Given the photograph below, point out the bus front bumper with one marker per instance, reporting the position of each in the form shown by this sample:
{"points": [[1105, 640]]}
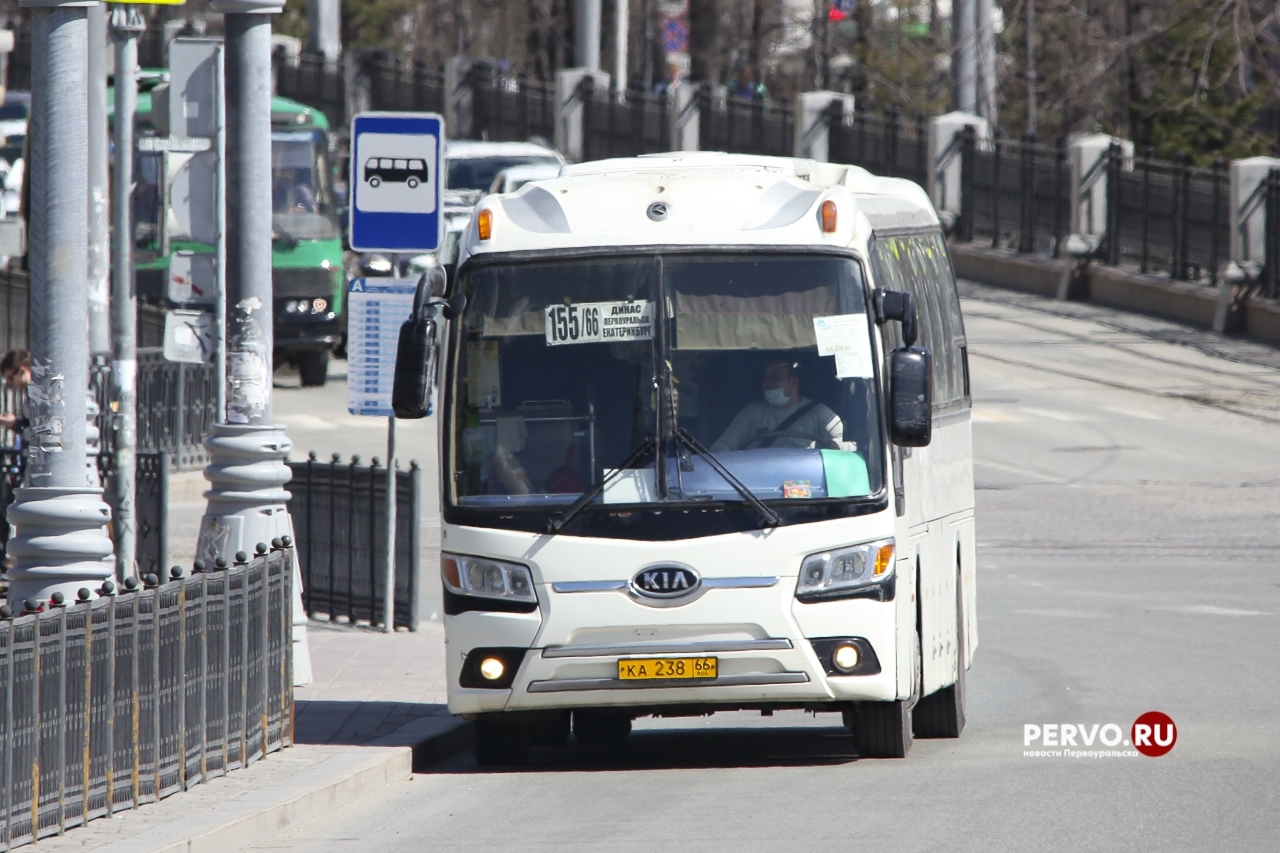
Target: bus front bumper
{"points": [[771, 655]]}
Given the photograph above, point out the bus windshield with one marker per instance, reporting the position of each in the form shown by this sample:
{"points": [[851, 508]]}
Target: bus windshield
{"points": [[301, 195], [568, 370]]}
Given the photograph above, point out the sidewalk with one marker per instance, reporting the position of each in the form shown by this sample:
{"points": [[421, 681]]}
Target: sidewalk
{"points": [[377, 703]]}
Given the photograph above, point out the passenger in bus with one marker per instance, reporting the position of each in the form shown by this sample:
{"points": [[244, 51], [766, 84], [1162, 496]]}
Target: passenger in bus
{"points": [[783, 418]]}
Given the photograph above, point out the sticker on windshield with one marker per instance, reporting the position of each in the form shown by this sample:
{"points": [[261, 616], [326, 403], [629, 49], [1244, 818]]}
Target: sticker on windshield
{"points": [[845, 337], [594, 322]]}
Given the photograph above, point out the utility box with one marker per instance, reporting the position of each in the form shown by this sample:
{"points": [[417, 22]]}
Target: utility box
{"points": [[1248, 198], [1088, 158], [812, 128], [944, 157], [192, 195], [193, 278], [193, 84]]}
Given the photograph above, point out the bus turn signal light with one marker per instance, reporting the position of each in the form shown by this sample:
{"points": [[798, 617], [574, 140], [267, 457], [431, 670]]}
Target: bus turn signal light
{"points": [[828, 217], [484, 224], [884, 558]]}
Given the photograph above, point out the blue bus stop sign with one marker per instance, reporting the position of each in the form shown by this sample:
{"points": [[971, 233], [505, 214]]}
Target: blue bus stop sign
{"points": [[396, 182]]}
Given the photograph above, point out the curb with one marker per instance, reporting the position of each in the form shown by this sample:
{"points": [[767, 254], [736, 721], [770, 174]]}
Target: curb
{"points": [[1155, 296], [334, 782]]}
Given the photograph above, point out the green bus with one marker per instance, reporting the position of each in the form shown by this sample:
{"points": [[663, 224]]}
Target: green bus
{"points": [[307, 252]]}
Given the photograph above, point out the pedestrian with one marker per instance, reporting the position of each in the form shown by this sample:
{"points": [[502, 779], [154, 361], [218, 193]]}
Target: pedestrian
{"points": [[15, 370]]}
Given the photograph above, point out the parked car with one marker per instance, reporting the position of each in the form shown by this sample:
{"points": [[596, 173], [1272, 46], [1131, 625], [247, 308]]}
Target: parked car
{"points": [[510, 180]]}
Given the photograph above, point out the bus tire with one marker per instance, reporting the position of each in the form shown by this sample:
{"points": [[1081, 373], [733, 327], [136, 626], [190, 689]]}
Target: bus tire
{"points": [[375, 181], [600, 728], [500, 743], [881, 729], [413, 183], [941, 714], [313, 368]]}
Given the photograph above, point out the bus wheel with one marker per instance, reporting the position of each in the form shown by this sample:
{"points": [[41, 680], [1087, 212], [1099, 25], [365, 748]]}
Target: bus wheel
{"points": [[500, 743], [375, 181], [412, 182], [881, 729], [313, 368], [598, 728], [941, 714]]}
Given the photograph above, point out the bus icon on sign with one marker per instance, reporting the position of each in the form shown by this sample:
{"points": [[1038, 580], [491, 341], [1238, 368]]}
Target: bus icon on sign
{"points": [[394, 171]]}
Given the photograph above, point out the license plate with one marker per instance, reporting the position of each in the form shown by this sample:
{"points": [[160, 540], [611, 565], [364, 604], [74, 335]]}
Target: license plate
{"points": [[651, 669]]}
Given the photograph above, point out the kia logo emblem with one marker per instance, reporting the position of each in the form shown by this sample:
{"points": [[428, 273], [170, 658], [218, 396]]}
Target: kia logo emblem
{"points": [[665, 582]]}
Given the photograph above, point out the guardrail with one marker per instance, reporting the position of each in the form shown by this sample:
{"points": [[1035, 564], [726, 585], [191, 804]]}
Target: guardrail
{"points": [[339, 516], [111, 702]]}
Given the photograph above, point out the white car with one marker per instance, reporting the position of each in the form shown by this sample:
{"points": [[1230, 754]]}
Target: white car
{"points": [[472, 166], [510, 180]]}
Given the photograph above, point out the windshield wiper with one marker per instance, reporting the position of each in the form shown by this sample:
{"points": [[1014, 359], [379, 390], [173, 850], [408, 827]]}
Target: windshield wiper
{"points": [[771, 518], [558, 522], [285, 237]]}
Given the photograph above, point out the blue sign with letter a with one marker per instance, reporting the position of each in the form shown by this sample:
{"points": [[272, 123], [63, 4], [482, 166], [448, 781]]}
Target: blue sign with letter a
{"points": [[396, 183]]}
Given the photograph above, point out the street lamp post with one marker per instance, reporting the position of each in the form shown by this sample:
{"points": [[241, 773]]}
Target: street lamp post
{"points": [[127, 24], [60, 520], [246, 471]]}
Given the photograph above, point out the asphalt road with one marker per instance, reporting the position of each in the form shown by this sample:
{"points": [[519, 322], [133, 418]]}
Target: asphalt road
{"points": [[1128, 492]]}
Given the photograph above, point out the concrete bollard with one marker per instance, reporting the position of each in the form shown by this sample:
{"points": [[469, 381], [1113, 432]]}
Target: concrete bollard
{"points": [[569, 114], [812, 130], [944, 159], [1088, 158]]}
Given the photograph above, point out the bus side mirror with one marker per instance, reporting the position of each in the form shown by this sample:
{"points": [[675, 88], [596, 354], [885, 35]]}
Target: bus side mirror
{"points": [[416, 352], [910, 397], [896, 305], [415, 369]]}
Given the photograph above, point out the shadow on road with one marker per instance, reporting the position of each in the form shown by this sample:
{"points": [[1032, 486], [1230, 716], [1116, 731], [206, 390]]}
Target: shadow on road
{"points": [[659, 749], [319, 721]]}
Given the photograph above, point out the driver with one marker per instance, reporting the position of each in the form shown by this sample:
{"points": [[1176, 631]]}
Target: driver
{"points": [[806, 423]]}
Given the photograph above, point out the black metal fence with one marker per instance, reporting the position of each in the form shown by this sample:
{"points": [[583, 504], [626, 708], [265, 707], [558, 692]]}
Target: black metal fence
{"points": [[397, 84], [110, 703], [639, 124], [746, 127], [310, 80], [151, 502], [1166, 215], [508, 108], [884, 144], [177, 407], [1015, 193], [339, 516]]}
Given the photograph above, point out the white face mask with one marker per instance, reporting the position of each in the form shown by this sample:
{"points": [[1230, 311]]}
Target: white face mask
{"points": [[776, 397]]}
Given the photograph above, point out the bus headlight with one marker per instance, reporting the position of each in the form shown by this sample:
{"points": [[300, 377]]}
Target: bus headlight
{"points": [[485, 578], [845, 571]]}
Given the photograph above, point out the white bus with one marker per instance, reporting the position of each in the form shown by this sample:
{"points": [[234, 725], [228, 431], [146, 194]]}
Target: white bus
{"points": [[694, 458]]}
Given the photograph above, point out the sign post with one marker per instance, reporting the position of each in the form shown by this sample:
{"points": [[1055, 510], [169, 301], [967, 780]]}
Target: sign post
{"points": [[396, 187], [376, 309]]}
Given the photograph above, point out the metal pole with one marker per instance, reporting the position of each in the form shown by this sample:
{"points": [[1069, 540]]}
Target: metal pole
{"points": [[99, 235], [220, 306], [127, 23], [61, 541], [586, 49], [1031, 67], [389, 600], [985, 43], [963, 62], [621, 20], [246, 471]]}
